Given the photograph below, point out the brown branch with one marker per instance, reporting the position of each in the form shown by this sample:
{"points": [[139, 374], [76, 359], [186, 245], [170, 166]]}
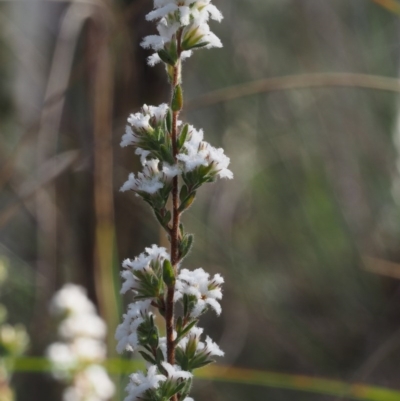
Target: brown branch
{"points": [[290, 82]]}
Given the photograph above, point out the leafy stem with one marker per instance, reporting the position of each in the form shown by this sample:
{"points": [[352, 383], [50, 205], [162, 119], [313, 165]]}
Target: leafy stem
{"points": [[176, 106]]}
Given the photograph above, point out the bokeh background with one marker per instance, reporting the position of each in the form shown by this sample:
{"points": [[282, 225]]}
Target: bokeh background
{"points": [[304, 98]]}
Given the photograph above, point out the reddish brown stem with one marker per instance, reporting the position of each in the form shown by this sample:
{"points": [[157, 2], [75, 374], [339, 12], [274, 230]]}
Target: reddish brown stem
{"points": [[169, 316]]}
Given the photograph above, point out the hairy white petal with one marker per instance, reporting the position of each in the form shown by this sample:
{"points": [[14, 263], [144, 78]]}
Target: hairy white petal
{"points": [[153, 59], [161, 12]]}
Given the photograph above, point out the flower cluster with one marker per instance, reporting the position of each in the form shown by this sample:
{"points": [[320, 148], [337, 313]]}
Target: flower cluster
{"points": [[157, 383], [176, 163], [196, 161], [14, 341], [182, 25], [127, 332], [198, 291], [76, 359], [143, 275], [146, 278], [198, 153]]}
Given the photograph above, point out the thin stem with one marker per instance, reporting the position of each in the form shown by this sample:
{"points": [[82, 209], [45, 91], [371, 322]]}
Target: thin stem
{"points": [[169, 317]]}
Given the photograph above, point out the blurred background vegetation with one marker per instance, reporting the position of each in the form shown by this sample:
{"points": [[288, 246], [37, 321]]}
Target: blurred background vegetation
{"points": [[307, 236]]}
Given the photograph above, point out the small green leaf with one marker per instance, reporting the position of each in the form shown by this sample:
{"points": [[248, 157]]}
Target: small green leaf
{"points": [[153, 338], [185, 305], [177, 99], [170, 72], [159, 356], [173, 50], [179, 324], [182, 333], [183, 136], [166, 155], [147, 357], [183, 193], [187, 202], [200, 364], [190, 43], [199, 45], [166, 57], [168, 120], [168, 273], [179, 387], [185, 245], [167, 217]]}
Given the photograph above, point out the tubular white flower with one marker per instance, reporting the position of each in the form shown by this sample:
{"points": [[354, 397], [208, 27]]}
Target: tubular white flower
{"points": [[126, 333], [153, 59], [192, 337], [209, 348], [175, 373], [62, 358], [171, 171], [71, 300], [89, 350], [144, 262], [197, 284], [150, 181], [92, 384], [82, 325], [212, 348], [196, 34], [143, 123], [77, 358], [139, 383], [162, 12], [198, 153], [191, 16]]}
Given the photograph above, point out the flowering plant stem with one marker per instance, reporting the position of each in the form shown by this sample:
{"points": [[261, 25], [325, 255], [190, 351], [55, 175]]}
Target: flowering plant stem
{"points": [[176, 163], [175, 226], [170, 306]]}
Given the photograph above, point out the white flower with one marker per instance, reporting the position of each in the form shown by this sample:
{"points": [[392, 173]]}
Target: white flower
{"points": [[139, 383], [220, 162], [76, 359], [210, 348], [126, 333], [89, 350], [145, 261], [157, 252], [61, 357], [198, 285], [191, 16], [200, 33], [71, 299], [171, 171], [162, 12], [143, 122], [175, 373], [92, 384], [188, 10], [83, 325], [151, 180], [198, 153], [153, 59]]}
